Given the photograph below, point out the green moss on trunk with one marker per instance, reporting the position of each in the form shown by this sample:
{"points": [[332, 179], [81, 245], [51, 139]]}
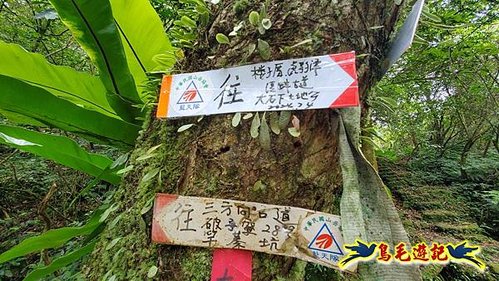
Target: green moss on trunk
{"points": [[213, 159]]}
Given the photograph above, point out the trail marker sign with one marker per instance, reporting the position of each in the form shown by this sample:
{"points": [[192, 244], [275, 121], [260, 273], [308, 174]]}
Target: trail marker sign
{"points": [[220, 223], [328, 81]]}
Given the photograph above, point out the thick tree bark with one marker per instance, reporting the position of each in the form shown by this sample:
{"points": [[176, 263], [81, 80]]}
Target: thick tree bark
{"points": [[213, 159]]}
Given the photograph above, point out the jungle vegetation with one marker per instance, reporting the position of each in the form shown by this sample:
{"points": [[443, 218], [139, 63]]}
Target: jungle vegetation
{"points": [[82, 155]]}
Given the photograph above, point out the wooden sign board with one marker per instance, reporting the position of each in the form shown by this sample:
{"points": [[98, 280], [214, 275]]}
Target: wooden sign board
{"points": [[328, 81], [218, 223]]}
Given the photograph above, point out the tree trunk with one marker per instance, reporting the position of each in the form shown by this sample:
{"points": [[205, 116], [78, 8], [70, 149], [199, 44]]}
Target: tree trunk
{"points": [[213, 159]]}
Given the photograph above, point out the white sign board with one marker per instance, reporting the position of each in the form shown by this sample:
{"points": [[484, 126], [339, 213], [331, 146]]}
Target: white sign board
{"points": [[405, 36], [296, 84], [219, 223]]}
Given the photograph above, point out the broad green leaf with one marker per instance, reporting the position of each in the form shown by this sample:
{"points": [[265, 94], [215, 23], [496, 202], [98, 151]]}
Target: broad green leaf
{"points": [[267, 24], [255, 125], [93, 26], [20, 118], [264, 49], [164, 61], [222, 38], [284, 117], [39, 104], [16, 142], [264, 134], [294, 132], [236, 119], [274, 123], [58, 149], [50, 239], [60, 262], [254, 18], [80, 88], [143, 38], [188, 22], [152, 271]]}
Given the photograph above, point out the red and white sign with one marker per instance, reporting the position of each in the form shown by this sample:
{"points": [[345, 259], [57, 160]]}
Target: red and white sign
{"points": [[238, 225], [328, 81]]}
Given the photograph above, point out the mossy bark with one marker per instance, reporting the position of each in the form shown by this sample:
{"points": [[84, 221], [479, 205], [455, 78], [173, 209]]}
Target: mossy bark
{"points": [[213, 159]]}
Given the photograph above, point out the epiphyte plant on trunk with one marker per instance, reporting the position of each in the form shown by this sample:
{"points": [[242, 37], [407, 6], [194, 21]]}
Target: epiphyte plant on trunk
{"points": [[125, 40]]}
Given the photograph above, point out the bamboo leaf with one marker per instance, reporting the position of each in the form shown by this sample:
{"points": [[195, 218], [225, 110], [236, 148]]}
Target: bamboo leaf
{"points": [[59, 149], [40, 272], [80, 88], [93, 26], [38, 104]]}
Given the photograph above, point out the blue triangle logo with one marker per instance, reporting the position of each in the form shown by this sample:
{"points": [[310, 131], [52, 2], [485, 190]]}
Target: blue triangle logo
{"points": [[325, 241]]}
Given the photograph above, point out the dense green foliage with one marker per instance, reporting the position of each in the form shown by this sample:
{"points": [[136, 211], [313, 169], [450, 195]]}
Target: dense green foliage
{"points": [[434, 114], [444, 93], [105, 106]]}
